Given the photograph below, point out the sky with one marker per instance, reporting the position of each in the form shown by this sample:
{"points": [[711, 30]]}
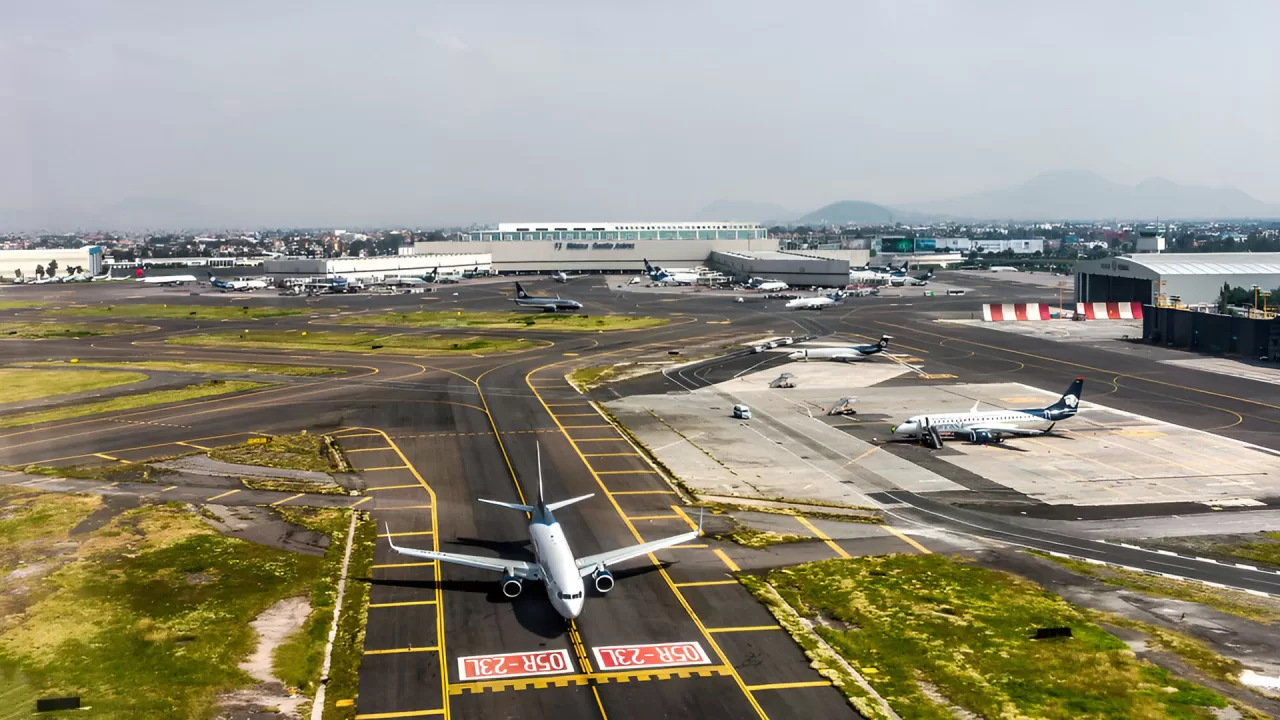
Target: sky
{"points": [[443, 113]]}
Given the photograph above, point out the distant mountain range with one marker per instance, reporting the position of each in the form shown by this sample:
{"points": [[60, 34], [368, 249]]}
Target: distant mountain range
{"points": [[1058, 195]]}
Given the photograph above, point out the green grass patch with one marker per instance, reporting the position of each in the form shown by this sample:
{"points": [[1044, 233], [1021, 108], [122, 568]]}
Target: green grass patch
{"points": [[357, 342], [46, 330], [131, 402], [507, 321], [198, 366], [21, 304], [933, 635], [594, 376], [293, 486], [747, 536], [150, 616], [21, 385], [176, 312], [296, 662], [348, 645], [29, 515], [292, 452], [113, 472], [1264, 610]]}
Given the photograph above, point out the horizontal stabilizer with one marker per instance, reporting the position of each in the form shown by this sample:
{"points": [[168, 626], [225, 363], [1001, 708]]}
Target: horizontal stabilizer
{"points": [[513, 506], [557, 505]]}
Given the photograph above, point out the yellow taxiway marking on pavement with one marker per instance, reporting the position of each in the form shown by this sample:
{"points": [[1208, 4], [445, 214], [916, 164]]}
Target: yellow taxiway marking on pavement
{"points": [[906, 539], [571, 354], [610, 455], [291, 497], [560, 681], [407, 534], [225, 494], [642, 492], [626, 472], [391, 487], [345, 702], [396, 651], [356, 435], [728, 561], [680, 511], [865, 453], [171, 487], [687, 547], [564, 415], [402, 714], [362, 501], [105, 456], [705, 583], [389, 467], [822, 536], [790, 685], [580, 650], [750, 628], [387, 449], [584, 427], [385, 566], [612, 439], [402, 604], [198, 447], [574, 404], [405, 507], [672, 516]]}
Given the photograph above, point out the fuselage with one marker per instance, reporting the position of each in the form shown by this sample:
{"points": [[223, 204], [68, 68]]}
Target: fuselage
{"points": [[549, 303], [560, 575], [951, 422]]}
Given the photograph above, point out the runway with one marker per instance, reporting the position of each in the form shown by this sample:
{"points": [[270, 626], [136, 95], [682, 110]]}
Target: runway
{"points": [[429, 435]]}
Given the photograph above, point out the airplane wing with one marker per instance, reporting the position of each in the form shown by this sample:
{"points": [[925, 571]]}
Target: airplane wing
{"points": [[519, 568], [996, 429], [591, 563]]}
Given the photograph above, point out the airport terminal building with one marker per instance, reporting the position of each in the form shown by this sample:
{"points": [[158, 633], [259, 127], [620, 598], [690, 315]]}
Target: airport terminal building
{"points": [[1194, 278], [12, 262], [374, 269], [540, 247]]}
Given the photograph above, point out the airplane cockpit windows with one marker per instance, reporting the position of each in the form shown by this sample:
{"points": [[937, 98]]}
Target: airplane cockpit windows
{"points": [[569, 596]]}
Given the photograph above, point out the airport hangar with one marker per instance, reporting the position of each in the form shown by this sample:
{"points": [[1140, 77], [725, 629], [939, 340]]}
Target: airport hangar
{"points": [[287, 271], [88, 257], [1194, 278]]}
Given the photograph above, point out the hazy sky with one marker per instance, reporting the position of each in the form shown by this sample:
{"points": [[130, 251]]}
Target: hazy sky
{"points": [[432, 112]]}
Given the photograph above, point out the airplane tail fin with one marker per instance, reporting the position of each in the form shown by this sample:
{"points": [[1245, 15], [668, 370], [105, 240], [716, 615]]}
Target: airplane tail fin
{"points": [[647, 267], [520, 293], [884, 341], [1070, 400]]}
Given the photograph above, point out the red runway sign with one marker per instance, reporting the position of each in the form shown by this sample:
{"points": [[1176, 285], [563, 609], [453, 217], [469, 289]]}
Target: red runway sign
{"points": [[493, 667], [622, 657]]}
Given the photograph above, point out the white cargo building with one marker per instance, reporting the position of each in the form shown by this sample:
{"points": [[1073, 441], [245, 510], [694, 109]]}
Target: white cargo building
{"points": [[1195, 278], [88, 258]]}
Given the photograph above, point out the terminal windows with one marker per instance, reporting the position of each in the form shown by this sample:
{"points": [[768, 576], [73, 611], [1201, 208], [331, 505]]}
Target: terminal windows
{"points": [[648, 235]]}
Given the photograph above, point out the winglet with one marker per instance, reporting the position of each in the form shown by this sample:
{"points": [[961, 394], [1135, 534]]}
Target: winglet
{"points": [[701, 511], [390, 542], [976, 403], [539, 446]]}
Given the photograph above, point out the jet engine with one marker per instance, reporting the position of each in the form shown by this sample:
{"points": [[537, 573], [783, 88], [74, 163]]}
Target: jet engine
{"points": [[603, 580], [511, 586]]}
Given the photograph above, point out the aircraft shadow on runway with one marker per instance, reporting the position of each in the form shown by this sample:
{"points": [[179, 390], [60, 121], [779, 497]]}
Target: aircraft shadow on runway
{"points": [[531, 608]]}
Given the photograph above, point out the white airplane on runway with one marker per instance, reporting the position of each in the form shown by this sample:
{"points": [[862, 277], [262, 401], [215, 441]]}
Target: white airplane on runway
{"points": [[991, 426], [821, 302], [554, 563], [853, 353], [168, 279]]}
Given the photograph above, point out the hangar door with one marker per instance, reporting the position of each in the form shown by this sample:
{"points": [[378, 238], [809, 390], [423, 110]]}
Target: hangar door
{"points": [[1106, 288]]}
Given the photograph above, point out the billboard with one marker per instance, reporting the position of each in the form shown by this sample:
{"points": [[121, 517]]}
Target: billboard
{"points": [[901, 245]]}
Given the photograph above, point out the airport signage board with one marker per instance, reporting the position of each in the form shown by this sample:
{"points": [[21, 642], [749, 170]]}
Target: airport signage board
{"points": [[625, 657], [510, 665]]}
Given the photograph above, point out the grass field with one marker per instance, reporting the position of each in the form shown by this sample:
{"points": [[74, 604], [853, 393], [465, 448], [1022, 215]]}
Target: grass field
{"points": [[294, 452], [356, 342], [176, 312], [590, 377], [1264, 610], [199, 366], [112, 472], [747, 536], [146, 617], [43, 330], [938, 638], [131, 402], [21, 304], [21, 385], [511, 321]]}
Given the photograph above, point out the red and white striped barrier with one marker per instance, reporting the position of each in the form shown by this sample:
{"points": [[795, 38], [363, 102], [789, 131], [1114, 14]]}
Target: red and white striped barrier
{"points": [[1110, 310], [996, 312]]}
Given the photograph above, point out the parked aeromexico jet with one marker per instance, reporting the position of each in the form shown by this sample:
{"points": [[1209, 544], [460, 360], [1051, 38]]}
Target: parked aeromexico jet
{"points": [[991, 426], [852, 353], [554, 563], [546, 304]]}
